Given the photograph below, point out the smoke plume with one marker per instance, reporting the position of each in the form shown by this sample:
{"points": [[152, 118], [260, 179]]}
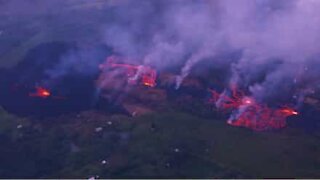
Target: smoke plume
{"points": [[278, 40]]}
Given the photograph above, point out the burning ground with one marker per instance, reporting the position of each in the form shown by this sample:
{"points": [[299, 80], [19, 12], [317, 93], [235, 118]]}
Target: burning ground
{"points": [[203, 90], [136, 130]]}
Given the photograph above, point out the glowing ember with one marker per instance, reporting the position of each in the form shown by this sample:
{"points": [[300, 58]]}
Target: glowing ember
{"points": [[148, 84], [262, 118], [40, 92], [247, 101], [289, 111], [246, 112], [136, 74], [149, 77], [224, 101]]}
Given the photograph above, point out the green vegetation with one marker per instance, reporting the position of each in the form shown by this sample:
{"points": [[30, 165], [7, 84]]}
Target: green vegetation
{"points": [[169, 144]]}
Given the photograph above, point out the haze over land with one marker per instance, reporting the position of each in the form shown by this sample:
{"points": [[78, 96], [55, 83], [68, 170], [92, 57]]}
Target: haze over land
{"points": [[268, 49]]}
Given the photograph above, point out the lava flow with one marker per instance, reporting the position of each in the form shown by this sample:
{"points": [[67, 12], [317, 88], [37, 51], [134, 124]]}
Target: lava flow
{"points": [[246, 112], [40, 92], [136, 74]]}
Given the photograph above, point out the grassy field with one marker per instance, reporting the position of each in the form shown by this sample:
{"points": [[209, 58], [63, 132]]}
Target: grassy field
{"points": [[169, 144], [288, 153]]}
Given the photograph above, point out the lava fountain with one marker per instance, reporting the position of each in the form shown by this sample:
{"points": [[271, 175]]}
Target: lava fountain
{"points": [[246, 112]]}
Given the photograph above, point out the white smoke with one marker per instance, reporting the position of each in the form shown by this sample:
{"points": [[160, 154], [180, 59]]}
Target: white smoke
{"points": [[276, 38]]}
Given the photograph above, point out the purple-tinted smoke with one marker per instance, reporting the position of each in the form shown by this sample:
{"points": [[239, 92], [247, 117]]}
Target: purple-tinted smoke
{"points": [[278, 40]]}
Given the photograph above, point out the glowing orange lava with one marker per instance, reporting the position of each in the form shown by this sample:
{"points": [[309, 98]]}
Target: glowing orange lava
{"points": [[246, 112], [247, 101], [136, 74], [289, 111], [40, 92]]}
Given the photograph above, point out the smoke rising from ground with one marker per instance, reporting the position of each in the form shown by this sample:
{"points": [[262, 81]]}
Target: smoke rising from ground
{"points": [[278, 40]]}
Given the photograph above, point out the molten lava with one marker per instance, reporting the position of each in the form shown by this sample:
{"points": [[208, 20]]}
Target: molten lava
{"points": [[246, 112], [261, 117], [136, 74], [149, 77], [40, 92], [247, 101], [288, 111]]}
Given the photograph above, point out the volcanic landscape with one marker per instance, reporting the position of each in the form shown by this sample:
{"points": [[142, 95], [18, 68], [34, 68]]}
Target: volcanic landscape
{"points": [[159, 89]]}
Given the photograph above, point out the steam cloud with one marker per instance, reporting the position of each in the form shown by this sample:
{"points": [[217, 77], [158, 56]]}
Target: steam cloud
{"points": [[278, 40]]}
